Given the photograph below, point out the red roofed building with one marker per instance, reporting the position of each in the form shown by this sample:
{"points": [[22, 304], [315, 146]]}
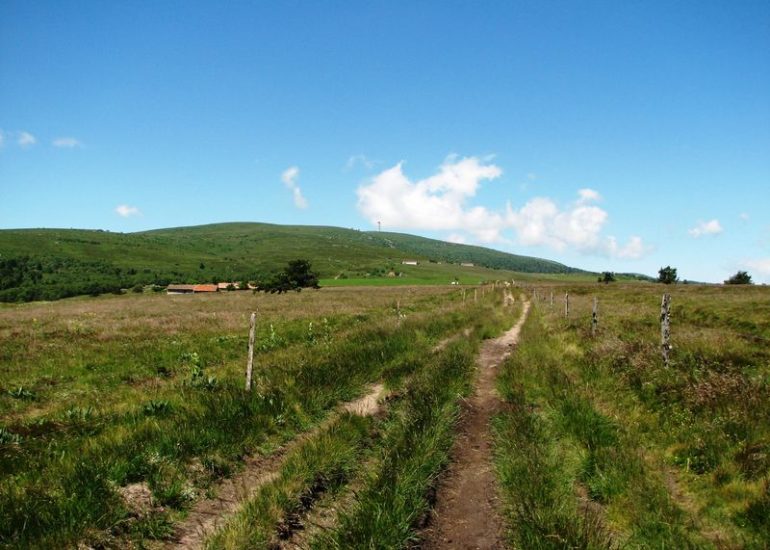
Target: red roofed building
{"points": [[205, 288]]}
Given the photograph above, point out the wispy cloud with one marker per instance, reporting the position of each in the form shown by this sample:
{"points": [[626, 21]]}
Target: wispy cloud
{"points": [[359, 160], [588, 195], [760, 266], [744, 216], [25, 139], [440, 202], [456, 238], [711, 227], [127, 211], [67, 143], [289, 178], [2, 139]]}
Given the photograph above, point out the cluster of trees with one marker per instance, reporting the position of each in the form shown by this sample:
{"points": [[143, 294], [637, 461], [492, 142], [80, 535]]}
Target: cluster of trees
{"points": [[667, 275], [295, 276], [27, 278]]}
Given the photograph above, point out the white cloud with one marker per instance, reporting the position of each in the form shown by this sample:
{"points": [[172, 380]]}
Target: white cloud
{"points": [[633, 249], [25, 139], [289, 178], [588, 195], [440, 202], [67, 143], [761, 266], [359, 160], [711, 227], [434, 203], [744, 216], [456, 238], [127, 211], [2, 139], [531, 176]]}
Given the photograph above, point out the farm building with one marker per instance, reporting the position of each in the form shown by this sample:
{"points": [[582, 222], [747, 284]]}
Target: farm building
{"points": [[466, 264], [180, 289], [205, 288], [190, 289], [409, 262], [223, 286]]}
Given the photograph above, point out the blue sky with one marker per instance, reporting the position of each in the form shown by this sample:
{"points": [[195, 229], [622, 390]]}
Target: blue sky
{"points": [[618, 136]]}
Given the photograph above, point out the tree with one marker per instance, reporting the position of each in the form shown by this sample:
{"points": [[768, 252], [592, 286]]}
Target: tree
{"points": [[667, 275], [607, 277], [740, 278], [295, 276]]}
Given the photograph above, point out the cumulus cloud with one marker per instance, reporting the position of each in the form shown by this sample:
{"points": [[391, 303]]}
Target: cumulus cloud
{"points": [[711, 227], [434, 203], [25, 139], [440, 203], [67, 143], [127, 211], [289, 178]]}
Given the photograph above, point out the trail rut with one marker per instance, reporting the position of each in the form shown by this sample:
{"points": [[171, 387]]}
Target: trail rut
{"points": [[209, 514], [466, 513]]}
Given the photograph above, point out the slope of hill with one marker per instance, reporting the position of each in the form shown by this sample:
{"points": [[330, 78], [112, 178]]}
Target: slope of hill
{"points": [[54, 263]]}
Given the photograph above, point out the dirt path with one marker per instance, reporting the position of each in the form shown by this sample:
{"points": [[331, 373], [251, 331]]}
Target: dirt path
{"points": [[466, 514], [209, 514]]}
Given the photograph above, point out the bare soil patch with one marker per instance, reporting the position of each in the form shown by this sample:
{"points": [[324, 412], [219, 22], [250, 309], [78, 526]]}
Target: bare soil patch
{"points": [[467, 503]]}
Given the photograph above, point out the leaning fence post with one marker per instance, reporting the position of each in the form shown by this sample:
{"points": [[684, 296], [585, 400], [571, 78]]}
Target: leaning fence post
{"points": [[250, 362], [566, 304], [665, 327], [594, 318]]}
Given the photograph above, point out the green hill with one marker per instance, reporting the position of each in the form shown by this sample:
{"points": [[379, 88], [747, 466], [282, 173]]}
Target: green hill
{"points": [[54, 263]]}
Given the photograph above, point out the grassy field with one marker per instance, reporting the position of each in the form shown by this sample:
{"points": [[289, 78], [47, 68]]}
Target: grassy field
{"points": [[100, 394], [598, 445], [603, 446]]}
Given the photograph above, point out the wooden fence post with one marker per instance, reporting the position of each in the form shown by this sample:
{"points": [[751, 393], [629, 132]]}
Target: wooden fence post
{"points": [[566, 305], [552, 298], [665, 327], [594, 318], [250, 362], [463, 295], [475, 295]]}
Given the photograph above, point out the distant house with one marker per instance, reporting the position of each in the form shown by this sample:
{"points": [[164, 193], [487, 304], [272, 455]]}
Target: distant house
{"points": [[205, 288], [466, 264], [223, 286], [409, 262], [190, 289], [180, 289]]}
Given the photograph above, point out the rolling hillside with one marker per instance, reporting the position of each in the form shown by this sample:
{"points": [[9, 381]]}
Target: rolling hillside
{"points": [[54, 263]]}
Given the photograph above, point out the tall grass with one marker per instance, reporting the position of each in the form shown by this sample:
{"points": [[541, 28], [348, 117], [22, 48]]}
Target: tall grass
{"points": [[662, 456], [185, 424]]}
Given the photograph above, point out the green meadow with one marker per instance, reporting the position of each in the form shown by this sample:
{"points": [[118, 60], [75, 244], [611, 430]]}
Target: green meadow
{"points": [[598, 444]]}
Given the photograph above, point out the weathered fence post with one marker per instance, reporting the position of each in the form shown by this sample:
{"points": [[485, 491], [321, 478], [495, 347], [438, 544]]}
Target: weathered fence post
{"points": [[463, 295], [250, 362], [475, 295], [552, 298], [566, 304], [665, 327], [594, 317]]}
